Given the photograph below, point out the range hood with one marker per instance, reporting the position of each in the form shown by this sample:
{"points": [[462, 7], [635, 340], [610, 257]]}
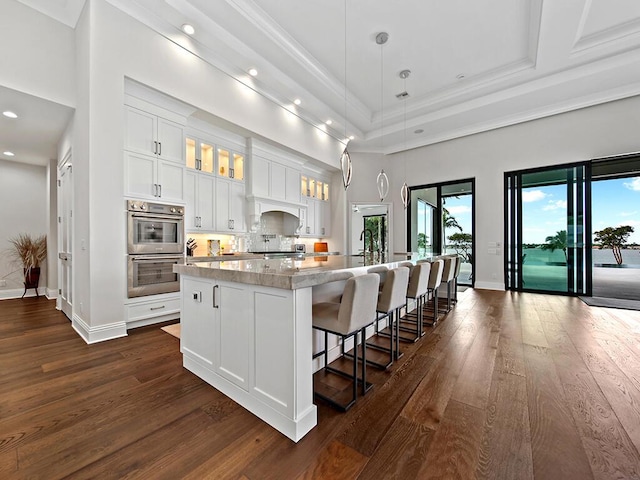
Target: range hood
{"points": [[257, 206]]}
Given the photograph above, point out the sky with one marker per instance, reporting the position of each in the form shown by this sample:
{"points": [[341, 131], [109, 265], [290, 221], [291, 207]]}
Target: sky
{"points": [[614, 203]]}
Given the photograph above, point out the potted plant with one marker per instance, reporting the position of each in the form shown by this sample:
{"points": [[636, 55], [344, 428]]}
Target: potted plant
{"points": [[29, 253]]}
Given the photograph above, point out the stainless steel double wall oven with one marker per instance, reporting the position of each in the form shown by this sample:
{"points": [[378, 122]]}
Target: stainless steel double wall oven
{"points": [[155, 243]]}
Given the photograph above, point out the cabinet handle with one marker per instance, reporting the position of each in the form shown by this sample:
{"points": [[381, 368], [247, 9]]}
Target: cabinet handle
{"points": [[159, 190], [155, 147], [155, 189], [157, 308], [233, 224], [231, 173], [322, 230], [308, 229], [215, 288], [159, 148], [198, 166]]}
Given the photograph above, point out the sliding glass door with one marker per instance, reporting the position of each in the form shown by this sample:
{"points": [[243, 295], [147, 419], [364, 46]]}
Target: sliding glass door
{"points": [[441, 222], [548, 234]]}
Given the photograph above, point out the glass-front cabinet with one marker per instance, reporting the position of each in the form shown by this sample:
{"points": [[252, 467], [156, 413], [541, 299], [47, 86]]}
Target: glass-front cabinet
{"points": [[230, 164], [199, 154], [314, 188]]}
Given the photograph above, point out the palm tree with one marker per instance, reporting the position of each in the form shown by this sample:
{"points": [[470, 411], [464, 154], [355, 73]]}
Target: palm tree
{"points": [[557, 242]]}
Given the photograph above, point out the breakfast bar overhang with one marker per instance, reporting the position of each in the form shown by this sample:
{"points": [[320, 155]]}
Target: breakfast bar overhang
{"points": [[246, 329]]}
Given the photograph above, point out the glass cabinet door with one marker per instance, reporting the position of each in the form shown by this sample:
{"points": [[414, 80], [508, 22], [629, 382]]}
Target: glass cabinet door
{"points": [[191, 152], [223, 163], [206, 157], [312, 188], [325, 192], [304, 186], [237, 171]]}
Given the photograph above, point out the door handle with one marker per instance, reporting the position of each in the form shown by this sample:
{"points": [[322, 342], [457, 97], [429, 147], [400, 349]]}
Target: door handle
{"points": [[215, 288]]}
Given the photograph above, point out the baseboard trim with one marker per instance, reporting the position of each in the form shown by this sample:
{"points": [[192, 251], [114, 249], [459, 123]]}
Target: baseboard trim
{"points": [[52, 293], [17, 293], [100, 333], [489, 286]]}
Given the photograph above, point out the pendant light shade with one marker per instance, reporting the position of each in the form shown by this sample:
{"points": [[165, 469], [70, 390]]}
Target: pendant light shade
{"points": [[346, 167], [383, 184], [404, 195]]}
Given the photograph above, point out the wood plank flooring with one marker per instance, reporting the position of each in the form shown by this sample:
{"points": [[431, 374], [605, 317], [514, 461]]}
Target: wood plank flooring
{"points": [[506, 386]]}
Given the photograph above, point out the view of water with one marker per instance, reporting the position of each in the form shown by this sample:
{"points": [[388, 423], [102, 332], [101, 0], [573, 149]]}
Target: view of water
{"points": [[537, 256]]}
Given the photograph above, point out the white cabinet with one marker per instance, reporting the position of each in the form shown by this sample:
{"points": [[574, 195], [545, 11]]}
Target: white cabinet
{"points": [[153, 178], [230, 206], [317, 222], [274, 180], [150, 134], [198, 336], [200, 200], [230, 164], [218, 330], [199, 154]]}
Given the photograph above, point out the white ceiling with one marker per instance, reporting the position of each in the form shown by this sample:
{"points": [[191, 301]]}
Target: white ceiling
{"points": [[520, 59], [33, 137]]}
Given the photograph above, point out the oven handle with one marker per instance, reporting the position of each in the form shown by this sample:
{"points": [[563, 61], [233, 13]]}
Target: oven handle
{"points": [[177, 216], [156, 258]]}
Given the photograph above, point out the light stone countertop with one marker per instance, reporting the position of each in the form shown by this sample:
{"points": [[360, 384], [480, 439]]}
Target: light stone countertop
{"points": [[286, 273]]}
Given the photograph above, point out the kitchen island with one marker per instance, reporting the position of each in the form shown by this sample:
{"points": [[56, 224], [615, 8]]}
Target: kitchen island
{"points": [[246, 330]]}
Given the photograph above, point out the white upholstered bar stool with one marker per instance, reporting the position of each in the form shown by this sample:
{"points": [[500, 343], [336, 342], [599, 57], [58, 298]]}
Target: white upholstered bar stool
{"points": [[448, 275], [435, 278], [391, 299], [354, 313], [416, 290], [455, 279]]}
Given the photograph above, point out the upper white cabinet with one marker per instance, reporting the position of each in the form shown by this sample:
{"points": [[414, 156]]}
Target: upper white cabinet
{"points": [[274, 180], [230, 206], [199, 154], [230, 164], [151, 177], [149, 134], [314, 190], [200, 202]]}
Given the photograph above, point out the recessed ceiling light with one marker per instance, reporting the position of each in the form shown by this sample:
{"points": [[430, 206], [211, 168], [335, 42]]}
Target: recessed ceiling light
{"points": [[297, 101], [329, 122], [420, 130], [253, 72], [8, 153], [351, 137], [460, 76], [9, 114], [188, 29]]}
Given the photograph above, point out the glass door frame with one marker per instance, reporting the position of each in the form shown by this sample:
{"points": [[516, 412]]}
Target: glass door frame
{"points": [[579, 250], [437, 226]]}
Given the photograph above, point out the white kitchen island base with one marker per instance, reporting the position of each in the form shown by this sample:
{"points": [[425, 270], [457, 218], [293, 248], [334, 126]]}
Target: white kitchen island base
{"points": [[254, 344], [246, 329]]}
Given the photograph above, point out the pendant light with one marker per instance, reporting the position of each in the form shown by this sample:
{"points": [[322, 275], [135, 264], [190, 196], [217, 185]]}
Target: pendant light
{"points": [[382, 181], [345, 159], [404, 191]]}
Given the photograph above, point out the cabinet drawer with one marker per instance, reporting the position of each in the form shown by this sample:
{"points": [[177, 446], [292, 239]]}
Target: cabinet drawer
{"points": [[144, 310]]}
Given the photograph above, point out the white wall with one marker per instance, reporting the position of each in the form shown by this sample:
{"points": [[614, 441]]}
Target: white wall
{"points": [[594, 132], [23, 195], [112, 46]]}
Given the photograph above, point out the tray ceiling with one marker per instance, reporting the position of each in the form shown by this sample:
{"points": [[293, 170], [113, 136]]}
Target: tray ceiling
{"points": [[475, 65]]}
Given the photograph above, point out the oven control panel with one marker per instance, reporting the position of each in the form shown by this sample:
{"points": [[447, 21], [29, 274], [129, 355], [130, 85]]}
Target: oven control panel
{"points": [[142, 206]]}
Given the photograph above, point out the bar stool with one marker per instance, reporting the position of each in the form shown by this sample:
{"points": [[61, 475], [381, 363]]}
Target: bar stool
{"points": [[455, 279], [435, 278], [416, 290], [448, 275], [390, 300], [354, 313]]}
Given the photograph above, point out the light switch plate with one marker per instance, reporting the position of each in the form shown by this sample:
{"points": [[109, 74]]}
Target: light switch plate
{"points": [[197, 296]]}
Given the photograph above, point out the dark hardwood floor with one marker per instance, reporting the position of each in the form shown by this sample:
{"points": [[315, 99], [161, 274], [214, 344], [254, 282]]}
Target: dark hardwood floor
{"points": [[507, 386]]}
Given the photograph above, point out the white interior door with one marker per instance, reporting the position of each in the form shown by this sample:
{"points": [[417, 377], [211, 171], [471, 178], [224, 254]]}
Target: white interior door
{"points": [[65, 238]]}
